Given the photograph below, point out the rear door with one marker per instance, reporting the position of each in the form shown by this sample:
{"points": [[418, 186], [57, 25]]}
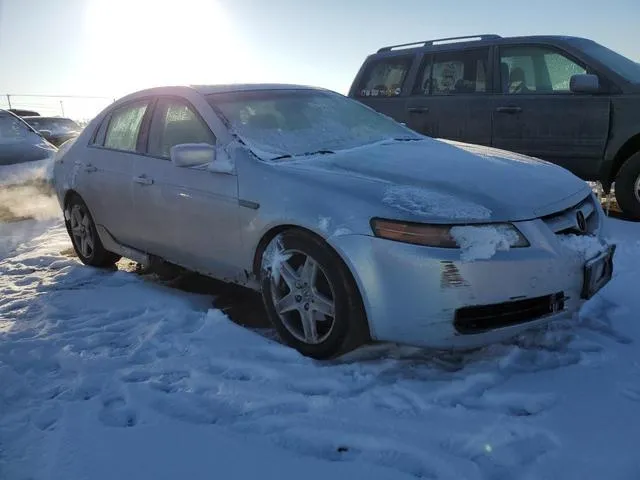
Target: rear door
{"points": [[382, 83], [536, 113], [104, 176], [186, 215], [451, 96]]}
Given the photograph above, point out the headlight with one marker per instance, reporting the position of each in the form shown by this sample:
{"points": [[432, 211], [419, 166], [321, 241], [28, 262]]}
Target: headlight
{"points": [[444, 236]]}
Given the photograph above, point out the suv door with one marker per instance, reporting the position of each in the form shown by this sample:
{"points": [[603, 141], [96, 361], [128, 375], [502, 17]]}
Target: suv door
{"points": [[186, 215], [451, 96], [381, 84], [104, 177], [537, 114]]}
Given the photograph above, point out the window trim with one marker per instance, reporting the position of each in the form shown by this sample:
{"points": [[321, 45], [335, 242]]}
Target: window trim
{"points": [[108, 118], [604, 81], [144, 147], [489, 85], [411, 57]]}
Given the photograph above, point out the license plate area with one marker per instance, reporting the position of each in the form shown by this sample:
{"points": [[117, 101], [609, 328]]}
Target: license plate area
{"points": [[597, 272]]}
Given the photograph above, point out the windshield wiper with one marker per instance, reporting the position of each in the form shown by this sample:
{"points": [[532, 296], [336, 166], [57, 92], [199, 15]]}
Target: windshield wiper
{"points": [[305, 154]]}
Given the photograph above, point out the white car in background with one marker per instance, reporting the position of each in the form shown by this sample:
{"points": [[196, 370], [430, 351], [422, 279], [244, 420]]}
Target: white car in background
{"points": [[352, 226]]}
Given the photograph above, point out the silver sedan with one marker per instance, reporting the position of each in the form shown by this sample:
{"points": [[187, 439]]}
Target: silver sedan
{"points": [[353, 227]]}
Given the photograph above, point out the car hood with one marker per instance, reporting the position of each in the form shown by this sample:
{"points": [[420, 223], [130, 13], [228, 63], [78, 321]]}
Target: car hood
{"points": [[443, 181], [30, 149]]}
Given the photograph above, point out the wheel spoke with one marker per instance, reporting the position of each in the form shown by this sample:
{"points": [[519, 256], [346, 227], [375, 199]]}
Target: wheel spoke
{"points": [[309, 271], [85, 220], [288, 274], [89, 240], [75, 215], [322, 304], [309, 326], [83, 247], [77, 230], [287, 303]]}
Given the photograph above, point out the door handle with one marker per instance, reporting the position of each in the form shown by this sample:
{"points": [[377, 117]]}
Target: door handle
{"points": [[418, 109], [90, 168], [143, 180], [511, 109]]}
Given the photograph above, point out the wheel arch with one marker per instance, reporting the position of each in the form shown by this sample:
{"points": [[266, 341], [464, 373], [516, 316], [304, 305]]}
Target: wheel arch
{"points": [[278, 229], [630, 147]]}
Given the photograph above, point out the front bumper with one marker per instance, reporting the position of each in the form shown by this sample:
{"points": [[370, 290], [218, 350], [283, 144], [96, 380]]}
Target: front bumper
{"points": [[411, 293]]}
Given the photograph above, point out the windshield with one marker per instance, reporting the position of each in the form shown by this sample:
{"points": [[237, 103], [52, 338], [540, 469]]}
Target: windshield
{"points": [[620, 64], [277, 123], [55, 125], [12, 129]]}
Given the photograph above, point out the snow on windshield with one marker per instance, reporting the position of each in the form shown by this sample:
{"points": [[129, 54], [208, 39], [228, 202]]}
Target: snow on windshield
{"points": [[12, 129], [298, 122]]}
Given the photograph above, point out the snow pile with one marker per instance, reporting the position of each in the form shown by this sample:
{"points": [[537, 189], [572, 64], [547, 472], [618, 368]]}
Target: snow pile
{"points": [[585, 246], [423, 202], [481, 243], [273, 258]]}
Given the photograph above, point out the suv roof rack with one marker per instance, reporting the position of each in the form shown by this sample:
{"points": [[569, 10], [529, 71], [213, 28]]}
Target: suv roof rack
{"points": [[439, 41]]}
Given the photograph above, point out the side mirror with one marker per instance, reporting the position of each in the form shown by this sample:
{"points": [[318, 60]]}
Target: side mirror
{"points": [[192, 154], [45, 133], [584, 83]]}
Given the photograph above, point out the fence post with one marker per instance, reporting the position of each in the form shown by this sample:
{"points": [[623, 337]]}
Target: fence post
{"points": [[9, 100], [62, 107]]}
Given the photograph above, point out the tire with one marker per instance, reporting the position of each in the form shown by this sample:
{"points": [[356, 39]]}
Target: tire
{"points": [[291, 294], [84, 236], [627, 186]]}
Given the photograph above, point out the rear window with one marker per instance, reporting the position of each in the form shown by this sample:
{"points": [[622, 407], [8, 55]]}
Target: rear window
{"points": [[12, 129], [385, 77]]}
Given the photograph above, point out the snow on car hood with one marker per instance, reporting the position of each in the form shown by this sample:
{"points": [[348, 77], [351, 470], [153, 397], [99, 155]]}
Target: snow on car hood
{"points": [[443, 180]]}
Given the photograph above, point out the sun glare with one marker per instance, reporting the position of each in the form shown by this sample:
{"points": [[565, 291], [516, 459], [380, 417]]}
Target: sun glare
{"points": [[135, 44]]}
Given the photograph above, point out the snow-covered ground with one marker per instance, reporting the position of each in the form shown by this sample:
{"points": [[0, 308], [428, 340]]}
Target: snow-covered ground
{"points": [[104, 375]]}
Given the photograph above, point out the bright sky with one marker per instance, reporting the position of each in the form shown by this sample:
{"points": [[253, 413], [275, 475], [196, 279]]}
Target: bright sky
{"points": [[112, 47]]}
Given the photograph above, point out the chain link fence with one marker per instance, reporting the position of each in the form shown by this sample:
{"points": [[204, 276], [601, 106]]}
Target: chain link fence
{"points": [[77, 107]]}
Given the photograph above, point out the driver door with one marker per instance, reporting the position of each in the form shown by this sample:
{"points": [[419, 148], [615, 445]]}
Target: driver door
{"points": [[187, 215]]}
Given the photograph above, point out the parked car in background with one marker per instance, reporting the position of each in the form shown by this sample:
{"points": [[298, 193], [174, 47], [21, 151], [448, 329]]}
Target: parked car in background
{"points": [[24, 113], [19, 142], [567, 100], [56, 130], [352, 226]]}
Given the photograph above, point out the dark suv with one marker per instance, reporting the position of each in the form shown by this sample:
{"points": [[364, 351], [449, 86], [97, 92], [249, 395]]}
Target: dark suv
{"points": [[567, 100]]}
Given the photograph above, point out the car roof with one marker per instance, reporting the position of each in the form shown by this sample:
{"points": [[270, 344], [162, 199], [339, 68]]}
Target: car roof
{"points": [[466, 41], [46, 118], [244, 87]]}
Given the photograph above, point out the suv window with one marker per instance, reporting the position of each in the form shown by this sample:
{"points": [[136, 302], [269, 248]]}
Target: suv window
{"points": [[124, 126], [536, 70], [173, 123], [454, 73], [384, 78]]}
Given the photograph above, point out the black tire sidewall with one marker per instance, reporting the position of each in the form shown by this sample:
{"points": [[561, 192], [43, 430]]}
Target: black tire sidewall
{"points": [[343, 297], [625, 186]]}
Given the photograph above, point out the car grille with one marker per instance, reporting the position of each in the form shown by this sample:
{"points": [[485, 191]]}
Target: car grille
{"points": [[483, 318], [566, 221]]}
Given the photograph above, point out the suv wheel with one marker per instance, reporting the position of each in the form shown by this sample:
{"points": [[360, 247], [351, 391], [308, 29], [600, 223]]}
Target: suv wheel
{"points": [[628, 186]]}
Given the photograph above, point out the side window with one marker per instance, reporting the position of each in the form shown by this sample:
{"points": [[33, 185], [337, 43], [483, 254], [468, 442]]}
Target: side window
{"points": [[124, 126], [384, 78], [98, 138], [174, 123], [531, 70], [463, 72]]}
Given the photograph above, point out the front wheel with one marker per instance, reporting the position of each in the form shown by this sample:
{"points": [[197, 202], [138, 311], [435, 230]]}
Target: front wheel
{"points": [[310, 296], [628, 186], [84, 236]]}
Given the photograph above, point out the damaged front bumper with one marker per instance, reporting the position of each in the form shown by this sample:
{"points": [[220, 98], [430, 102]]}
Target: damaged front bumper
{"points": [[428, 297]]}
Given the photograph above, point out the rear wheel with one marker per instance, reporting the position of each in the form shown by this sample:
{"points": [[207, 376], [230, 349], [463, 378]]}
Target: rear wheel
{"points": [[84, 236], [628, 186], [310, 296]]}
